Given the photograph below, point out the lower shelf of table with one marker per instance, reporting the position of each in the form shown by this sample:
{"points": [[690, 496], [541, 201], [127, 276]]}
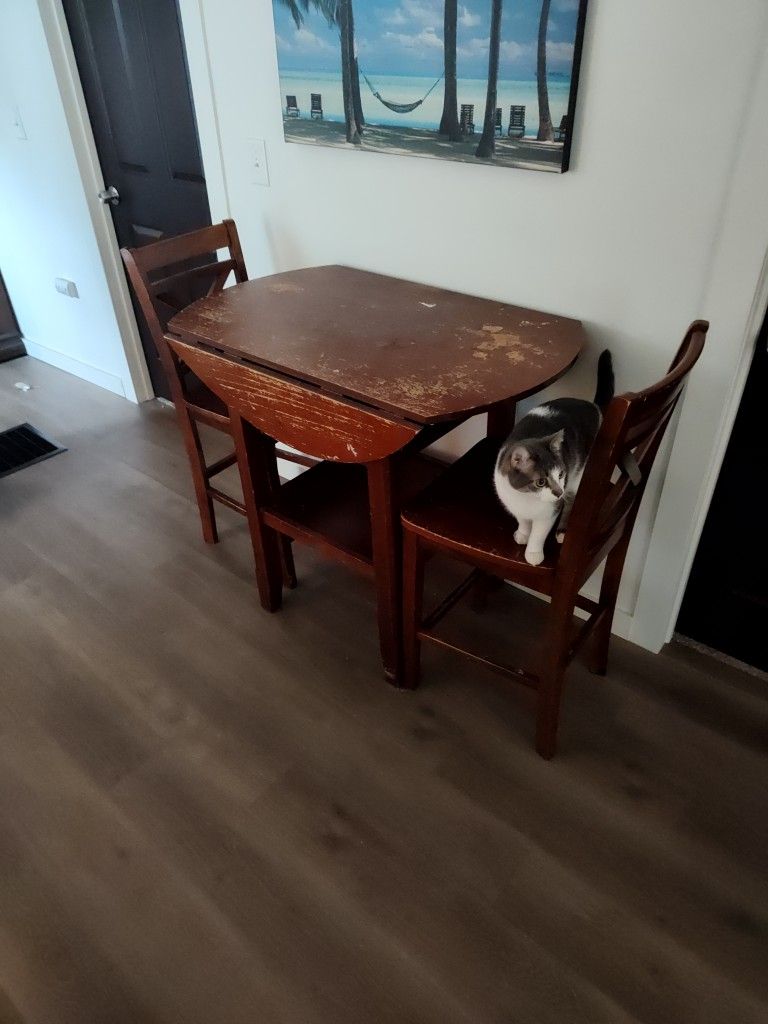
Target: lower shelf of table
{"points": [[327, 506]]}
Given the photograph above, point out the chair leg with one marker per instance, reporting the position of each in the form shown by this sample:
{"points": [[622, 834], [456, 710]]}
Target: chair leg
{"points": [[253, 463], [194, 448], [554, 663], [609, 592], [286, 550], [413, 597], [290, 580]]}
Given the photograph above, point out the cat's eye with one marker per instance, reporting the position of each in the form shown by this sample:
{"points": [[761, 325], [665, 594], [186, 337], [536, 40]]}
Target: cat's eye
{"points": [[541, 482]]}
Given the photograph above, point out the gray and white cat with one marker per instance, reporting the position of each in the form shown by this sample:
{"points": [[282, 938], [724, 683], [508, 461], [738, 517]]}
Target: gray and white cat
{"points": [[540, 465]]}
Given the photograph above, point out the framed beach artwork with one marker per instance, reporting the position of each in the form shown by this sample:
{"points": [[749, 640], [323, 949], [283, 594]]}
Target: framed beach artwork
{"points": [[481, 81]]}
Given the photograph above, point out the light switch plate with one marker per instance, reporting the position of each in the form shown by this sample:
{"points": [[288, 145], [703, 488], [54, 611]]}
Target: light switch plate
{"points": [[258, 157]]}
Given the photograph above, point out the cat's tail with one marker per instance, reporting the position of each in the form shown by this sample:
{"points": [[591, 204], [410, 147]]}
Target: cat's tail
{"points": [[605, 382]]}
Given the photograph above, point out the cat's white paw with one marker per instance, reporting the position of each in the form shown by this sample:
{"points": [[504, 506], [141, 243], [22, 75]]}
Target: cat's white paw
{"points": [[560, 537], [534, 557], [521, 537]]}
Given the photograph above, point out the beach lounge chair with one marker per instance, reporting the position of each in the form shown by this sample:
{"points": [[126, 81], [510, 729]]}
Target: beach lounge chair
{"points": [[498, 121], [466, 121], [291, 107], [516, 128], [562, 131], [316, 111]]}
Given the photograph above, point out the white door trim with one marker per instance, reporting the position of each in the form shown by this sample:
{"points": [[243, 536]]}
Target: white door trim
{"points": [[70, 89], [734, 298]]}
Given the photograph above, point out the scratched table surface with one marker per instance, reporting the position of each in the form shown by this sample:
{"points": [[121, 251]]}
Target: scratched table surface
{"points": [[421, 353]]}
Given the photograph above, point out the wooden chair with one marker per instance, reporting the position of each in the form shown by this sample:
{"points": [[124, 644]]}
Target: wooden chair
{"points": [[516, 128], [497, 123], [466, 120], [316, 109], [291, 107], [195, 271], [562, 131], [460, 515]]}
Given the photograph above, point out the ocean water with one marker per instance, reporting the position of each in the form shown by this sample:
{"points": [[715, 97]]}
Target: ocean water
{"points": [[399, 89]]}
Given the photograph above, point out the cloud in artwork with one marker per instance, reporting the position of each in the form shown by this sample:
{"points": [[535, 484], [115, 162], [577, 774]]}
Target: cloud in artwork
{"points": [[467, 19], [304, 42], [426, 39], [560, 53], [424, 12]]}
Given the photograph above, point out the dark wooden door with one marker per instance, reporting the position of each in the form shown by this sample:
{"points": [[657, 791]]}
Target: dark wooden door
{"points": [[132, 63], [726, 600]]}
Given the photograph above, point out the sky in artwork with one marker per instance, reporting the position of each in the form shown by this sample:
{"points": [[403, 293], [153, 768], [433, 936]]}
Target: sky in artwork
{"points": [[405, 37]]}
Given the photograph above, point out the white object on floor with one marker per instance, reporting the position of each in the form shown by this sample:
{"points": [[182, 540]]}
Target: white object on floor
{"points": [[22, 386]]}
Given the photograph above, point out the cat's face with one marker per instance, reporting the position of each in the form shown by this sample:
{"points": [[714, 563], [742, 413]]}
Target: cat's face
{"points": [[536, 467]]}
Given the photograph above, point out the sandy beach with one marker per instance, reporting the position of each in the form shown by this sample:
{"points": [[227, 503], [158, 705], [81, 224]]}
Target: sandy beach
{"points": [[526, 153]]}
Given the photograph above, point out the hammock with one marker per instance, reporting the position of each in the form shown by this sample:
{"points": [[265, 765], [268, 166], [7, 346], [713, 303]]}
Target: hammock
{"points": [[400, 108]]}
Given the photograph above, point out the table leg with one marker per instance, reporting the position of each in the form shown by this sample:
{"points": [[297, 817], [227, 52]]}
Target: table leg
{"points": [[501, 419], [386, 543]]}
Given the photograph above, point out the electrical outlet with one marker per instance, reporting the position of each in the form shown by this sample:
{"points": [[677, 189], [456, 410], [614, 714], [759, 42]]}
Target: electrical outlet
{"points": [[67, 287], [259, 168]]}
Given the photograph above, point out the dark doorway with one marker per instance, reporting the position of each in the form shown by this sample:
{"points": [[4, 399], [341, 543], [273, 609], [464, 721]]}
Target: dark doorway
{"points": [[132, 63], [726, 600], [11, 344]]}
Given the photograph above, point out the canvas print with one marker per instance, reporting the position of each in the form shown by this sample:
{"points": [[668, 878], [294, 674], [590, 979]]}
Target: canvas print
{"points": [[482, 81]]}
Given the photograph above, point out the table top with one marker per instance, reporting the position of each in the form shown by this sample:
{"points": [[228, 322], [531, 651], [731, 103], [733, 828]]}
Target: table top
{"points": [[421, 353]]}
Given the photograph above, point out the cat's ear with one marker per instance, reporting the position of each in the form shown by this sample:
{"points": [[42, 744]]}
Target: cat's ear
{"points": [[556, 442], [517, 457]]}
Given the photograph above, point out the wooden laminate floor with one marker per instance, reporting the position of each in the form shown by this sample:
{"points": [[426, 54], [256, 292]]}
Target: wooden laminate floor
{"points": [[212, 815]]}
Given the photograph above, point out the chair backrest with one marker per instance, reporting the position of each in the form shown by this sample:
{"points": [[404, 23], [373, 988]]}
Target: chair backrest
{"points": [[467, 115], [290, 102], [498, 117], [317, 101], [621, 460], [305, 418], [168, 275], [517, 116]]}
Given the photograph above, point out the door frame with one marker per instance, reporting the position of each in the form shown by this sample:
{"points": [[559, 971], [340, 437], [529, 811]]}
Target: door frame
{"points": [[78, 121]]}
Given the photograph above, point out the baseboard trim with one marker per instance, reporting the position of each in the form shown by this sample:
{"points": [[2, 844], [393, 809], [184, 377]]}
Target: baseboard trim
{"points": [[77, 368]]}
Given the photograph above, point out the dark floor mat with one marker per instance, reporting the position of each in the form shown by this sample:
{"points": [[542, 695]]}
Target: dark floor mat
{"points": [[24, 446]]}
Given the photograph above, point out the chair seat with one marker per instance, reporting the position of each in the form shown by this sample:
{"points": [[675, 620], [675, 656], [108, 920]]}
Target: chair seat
{"points": [[461, 511]]}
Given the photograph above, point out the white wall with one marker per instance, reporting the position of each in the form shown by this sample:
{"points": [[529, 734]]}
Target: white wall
{"points": [[46, 229], [634, 240]]}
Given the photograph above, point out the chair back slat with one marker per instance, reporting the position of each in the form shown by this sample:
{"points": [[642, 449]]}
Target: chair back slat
{"points": [[621, 460], [170, 274], [168, 251], [311, 421]]}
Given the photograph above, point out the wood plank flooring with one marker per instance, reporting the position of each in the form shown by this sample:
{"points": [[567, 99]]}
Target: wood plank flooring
{"points": [[210, 815]]}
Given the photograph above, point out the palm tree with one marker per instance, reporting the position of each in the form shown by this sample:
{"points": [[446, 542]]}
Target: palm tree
{"points": [[346, 32], [297, 9], [449, 123], [339, 13], [545, 118], [487, 145], [357, 103]]}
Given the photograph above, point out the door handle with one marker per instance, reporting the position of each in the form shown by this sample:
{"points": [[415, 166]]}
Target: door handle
{"points": [[109, 195]]}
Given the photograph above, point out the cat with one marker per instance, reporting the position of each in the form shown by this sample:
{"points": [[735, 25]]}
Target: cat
{"points": [[540, 465]]}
